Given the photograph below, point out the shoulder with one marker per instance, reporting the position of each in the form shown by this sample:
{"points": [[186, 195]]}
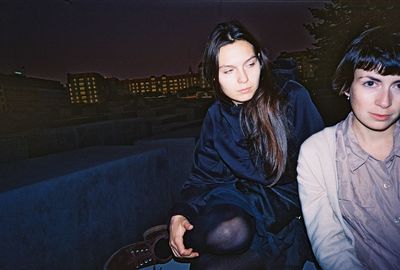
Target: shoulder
{"points": [[320, 141], [295, 91], [213, 112], [316, 161], [213, 119], [214, 108], [298, 97]]}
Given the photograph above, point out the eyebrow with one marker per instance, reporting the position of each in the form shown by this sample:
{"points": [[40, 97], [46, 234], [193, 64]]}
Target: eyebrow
{"points": [[376, 79], [371, 78], [224, 66]]}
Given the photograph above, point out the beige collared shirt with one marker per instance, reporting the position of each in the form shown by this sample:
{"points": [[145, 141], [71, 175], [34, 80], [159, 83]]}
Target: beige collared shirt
{"points": [[369, 198]]}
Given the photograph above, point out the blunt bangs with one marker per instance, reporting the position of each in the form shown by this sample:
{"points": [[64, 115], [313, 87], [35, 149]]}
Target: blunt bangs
{"points": [[382, 62], [377, 49]]}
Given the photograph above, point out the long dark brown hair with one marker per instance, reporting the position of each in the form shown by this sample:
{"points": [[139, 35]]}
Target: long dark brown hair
{"points": [[263, 120]]}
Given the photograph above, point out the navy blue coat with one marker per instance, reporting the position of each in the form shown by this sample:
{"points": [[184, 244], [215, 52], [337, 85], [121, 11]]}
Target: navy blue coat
{"points": [[224, 173]]}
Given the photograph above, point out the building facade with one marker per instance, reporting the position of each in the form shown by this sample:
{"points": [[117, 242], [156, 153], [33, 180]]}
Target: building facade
{"points": [[28, 103], [91, 88], [20, 94], [87, 88], [166, 85]]}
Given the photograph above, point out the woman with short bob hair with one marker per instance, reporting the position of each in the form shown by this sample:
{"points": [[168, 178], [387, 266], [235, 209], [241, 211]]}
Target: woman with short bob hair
{"points": [[349, 174]]}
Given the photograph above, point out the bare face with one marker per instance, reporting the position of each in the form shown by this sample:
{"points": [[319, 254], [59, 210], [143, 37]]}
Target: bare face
{"points": [[375, 100], [239, 71]]}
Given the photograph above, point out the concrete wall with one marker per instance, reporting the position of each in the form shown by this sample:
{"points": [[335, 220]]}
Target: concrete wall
{"points": [[72, 210], [54, 140]]}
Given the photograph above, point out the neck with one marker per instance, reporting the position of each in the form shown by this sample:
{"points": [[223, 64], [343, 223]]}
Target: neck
{"points": [[377, 143]]}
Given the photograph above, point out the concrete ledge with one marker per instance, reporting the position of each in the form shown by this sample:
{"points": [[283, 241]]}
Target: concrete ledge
{"points": [[13, 148], [49, 141], [72, 210]]}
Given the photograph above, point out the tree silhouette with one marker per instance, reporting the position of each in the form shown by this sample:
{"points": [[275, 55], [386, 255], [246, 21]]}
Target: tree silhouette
{"points": [[339, 22]]}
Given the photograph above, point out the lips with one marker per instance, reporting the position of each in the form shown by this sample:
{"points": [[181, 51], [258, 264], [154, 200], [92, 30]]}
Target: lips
{"points": [[245, 90], [380, 117]]}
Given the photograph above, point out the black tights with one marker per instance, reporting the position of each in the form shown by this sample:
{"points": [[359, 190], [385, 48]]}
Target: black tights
{"points": [[223, 236]]}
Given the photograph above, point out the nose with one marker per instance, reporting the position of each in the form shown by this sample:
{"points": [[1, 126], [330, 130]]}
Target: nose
{"points": [[242, 76], [384, 99]]}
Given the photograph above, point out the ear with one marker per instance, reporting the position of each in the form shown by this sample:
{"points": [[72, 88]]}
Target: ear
{"points": [[347, 94]]}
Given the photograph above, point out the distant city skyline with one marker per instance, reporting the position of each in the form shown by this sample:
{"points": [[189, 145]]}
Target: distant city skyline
{"points": [[136, 39]]}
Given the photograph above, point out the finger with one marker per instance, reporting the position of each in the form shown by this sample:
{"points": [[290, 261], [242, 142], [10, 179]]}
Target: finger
{"points": [[182, 249], [191, 255], [181, 255], [176, 254], [179, 248], [171, 244], [187, 253], [174, 249], [187, 225]]}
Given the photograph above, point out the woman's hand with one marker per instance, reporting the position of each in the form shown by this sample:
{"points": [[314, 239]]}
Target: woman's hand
{"points": [[177, 228]]}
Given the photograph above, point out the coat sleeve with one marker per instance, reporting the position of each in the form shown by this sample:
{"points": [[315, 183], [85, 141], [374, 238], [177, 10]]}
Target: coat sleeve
{"points": [[304, 121], [208, 172], [332, 247], [305, 117]]}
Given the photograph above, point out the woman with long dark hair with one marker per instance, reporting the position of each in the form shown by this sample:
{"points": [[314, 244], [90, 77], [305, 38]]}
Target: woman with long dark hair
{"points": [[240, 207]]}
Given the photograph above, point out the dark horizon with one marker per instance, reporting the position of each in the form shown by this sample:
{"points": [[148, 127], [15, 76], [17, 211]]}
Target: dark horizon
{"points": [[136, 39]]}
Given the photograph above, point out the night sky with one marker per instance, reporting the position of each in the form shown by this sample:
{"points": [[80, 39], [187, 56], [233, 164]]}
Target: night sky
{"points": [[134, 38]]}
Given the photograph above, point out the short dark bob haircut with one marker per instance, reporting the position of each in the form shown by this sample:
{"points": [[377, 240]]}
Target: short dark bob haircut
{"points": [[376, 49]]}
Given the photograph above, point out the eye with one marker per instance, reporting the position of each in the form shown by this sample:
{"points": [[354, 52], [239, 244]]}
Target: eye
{"points": [[227, 71], [251, 63], [369, 83]]}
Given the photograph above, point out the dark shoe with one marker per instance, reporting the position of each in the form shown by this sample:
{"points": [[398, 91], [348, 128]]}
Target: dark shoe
{"points": [[153, 250]]}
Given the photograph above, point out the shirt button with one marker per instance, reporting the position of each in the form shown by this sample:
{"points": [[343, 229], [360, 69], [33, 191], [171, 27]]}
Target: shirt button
{"points": [[397, 220], [386, 185]]}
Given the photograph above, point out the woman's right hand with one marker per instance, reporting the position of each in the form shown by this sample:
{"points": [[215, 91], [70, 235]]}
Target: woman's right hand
{"points": [[177, 228]]}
